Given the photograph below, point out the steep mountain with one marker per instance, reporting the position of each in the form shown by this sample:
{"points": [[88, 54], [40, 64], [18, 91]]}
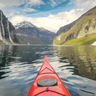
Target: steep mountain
{"points": [[83, 31], [29, 33], [65, 28], [7, 31]]}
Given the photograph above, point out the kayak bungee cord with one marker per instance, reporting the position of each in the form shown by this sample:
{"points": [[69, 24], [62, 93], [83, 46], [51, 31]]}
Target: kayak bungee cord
{"points": [[52, 72], [49, 90]]}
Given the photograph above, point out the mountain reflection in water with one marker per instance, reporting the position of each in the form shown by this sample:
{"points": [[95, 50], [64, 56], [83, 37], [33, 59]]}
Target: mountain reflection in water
{"points": [[83, 58]]}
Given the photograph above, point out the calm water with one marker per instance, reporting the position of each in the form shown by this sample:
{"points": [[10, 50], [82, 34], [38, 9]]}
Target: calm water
{"points": [[75, 65]]}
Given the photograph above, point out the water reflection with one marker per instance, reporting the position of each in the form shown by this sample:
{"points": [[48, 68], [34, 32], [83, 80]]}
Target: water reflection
{"points": [[5, 53], [11, 56], [19, 66], [83, 58]]}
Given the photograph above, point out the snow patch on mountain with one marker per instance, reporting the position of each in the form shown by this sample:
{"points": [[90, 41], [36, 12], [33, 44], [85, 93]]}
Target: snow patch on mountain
{"points": [[24, 24]]}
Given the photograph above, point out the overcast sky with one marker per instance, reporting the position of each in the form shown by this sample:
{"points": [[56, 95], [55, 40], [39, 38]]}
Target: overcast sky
{"points": [[50, 14]]}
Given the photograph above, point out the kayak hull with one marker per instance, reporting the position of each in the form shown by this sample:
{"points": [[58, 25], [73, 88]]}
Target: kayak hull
{"points": [[46, 71]]}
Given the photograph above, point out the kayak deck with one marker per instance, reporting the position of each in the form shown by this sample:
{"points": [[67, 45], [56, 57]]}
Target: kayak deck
{"points": [[47, 74]]}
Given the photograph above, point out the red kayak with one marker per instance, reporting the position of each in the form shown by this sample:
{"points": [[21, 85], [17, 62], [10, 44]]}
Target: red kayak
{"points": [[47, 83]]}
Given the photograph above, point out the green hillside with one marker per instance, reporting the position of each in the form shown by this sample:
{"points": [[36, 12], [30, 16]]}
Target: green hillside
{"points": [[82, 32]]}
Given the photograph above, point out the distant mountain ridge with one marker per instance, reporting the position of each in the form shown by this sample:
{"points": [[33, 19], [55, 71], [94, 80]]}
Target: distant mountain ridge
{"points": [[7, 30], [29, 33], [81, 31]]}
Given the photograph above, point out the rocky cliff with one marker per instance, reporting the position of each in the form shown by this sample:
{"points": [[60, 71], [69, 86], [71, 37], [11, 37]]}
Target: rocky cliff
{"points": [[83, 31], [7, 31]]}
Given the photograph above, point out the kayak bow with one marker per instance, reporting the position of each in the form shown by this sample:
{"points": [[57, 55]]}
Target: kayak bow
{"points": [[47, 83]]}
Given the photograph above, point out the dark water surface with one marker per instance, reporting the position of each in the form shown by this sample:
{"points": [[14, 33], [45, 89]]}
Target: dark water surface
{"points": [[75, 65]]}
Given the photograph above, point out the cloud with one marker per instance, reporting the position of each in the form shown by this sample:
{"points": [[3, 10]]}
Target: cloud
{"points": [[53, 3], [9, 3], [35, 2], [29, 10], [46, 19], [84, 4], [1, 5], [51, 22], [18, 7]]}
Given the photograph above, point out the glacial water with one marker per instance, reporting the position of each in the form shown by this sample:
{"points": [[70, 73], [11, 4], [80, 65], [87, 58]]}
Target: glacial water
{"points": [[75, 65]]}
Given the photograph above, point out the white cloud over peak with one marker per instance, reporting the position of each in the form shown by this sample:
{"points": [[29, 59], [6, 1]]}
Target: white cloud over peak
{"points": [[52, 22]]}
